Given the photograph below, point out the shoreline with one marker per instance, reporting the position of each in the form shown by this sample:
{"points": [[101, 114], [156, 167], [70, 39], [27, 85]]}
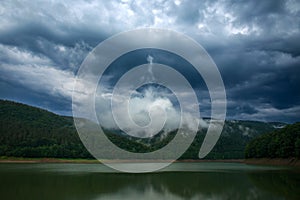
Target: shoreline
{"points": [[291, 162], [46, 160], [94, 161]]}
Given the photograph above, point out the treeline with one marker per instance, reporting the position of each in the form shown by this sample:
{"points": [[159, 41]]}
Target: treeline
{"points": [[26, 131], [282, 143]]}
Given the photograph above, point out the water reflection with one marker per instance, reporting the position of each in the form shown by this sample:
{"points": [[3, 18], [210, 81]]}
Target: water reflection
{"points": [[280, 183], [39, 184]]}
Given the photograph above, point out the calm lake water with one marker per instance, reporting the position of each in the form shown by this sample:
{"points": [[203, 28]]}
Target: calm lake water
{"points": [[178, 181]]}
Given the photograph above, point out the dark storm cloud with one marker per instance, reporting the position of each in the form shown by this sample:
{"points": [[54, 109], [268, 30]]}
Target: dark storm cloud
{"points": [[20, 93], [255, 45], [261, 78], [26, 21], [261, 65]]}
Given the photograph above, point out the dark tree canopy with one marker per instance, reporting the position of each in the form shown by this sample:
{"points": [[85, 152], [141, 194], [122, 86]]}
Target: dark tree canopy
{"points": [[282, 143], [27, 131]]}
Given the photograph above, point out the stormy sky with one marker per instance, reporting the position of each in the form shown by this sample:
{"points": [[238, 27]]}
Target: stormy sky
{"points": [[255, 45]]}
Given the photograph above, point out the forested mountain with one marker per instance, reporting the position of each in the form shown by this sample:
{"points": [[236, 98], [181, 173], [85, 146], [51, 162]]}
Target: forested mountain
{"points": [[26, 131], [282, 143], [234, 138]]}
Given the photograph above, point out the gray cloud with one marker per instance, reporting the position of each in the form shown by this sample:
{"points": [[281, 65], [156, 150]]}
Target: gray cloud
{"points": [[254, 44]]}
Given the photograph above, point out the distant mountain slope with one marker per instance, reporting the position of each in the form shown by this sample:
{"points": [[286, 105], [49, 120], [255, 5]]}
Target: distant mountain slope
{"points": [[282, 143], [26, 131], [235, 135]]}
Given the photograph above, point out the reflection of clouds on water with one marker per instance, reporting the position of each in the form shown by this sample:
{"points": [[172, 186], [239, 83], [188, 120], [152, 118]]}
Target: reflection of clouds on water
{"points": [[84, 181], [131, 194], [190, 186]]}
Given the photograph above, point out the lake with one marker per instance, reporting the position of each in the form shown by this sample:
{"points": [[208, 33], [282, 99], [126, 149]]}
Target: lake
{"points": [[207, 180]]}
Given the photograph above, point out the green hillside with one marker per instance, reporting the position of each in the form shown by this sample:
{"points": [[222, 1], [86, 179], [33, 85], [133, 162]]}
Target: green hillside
{"points": [[234, 138], [282, 143], [26, 131]]}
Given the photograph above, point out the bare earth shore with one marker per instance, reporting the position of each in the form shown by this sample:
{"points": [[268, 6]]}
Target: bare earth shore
{"points": [[293, 162], [45, 160], [87, 161]]}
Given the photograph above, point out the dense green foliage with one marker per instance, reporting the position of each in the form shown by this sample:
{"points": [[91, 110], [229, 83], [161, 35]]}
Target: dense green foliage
{"points": [[282, 143], [32, 132], [27, 131], [234, 137]]}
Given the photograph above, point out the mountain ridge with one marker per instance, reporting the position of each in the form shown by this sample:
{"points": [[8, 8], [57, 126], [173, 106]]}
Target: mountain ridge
{"points": [[28, 131]]}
